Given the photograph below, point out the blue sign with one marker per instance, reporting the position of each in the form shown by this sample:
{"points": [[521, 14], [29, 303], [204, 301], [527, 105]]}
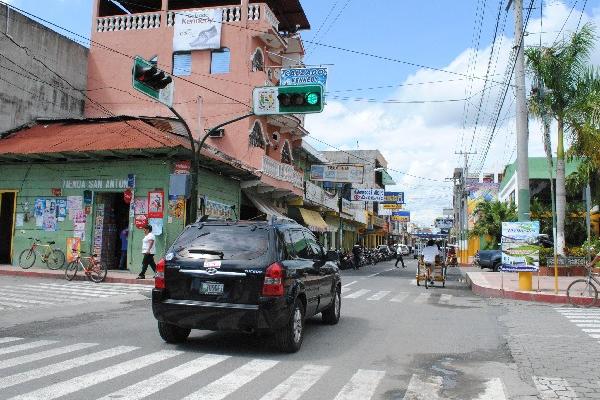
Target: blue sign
{"points": [[303, 76], [519, 268], [393, 198]]}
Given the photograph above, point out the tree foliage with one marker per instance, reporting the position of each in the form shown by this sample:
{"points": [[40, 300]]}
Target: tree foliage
{"points": [[489, 216]]}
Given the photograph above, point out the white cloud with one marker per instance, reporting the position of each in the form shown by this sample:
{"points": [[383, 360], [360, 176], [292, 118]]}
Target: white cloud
{"points": [[420, 139]]}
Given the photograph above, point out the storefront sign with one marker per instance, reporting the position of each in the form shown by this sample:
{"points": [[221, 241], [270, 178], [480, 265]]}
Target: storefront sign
{"points": [[303, 76], [402, 216], [367, 194], [182, 167], [197, 29], [520, 252], [394, 197], [391, 206], [95, 184], [218, 210], [131, 181], [345, 173], [156, 201]]}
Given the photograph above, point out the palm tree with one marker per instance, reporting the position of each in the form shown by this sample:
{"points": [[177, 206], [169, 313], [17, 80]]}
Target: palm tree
{"points": [[561, 68], [489, 216]]}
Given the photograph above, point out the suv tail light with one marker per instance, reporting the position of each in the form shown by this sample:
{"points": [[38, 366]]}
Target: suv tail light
{"points": [[159, 279], [273, 285]]}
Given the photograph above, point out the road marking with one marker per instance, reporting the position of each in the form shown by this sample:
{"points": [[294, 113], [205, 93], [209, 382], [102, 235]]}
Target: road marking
{"points": [[379, 295], [84, 381], [494, 390], [348, 284], [553, 388], [26, 346], [69, 291], [27, 301], [361, 386], [112, 286], [357, 294], [427, 389], [9, 339], [11, 304], [297, 384], [588, 325], [591, 330], [422, 298], [51, 369], [445, 299], [346, 289], [381, 272], [595, 336], [12, 362], [399, 298], [43, 292], [167, 378], [231, 382], [77, 289]]}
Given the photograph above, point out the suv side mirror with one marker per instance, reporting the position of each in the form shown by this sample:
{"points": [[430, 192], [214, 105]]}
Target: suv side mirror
{"points": [[332, 255]]}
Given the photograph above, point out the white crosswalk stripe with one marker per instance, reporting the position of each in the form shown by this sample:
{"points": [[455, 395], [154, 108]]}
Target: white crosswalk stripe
{"points": [[25, 346], [379, 295], [361, 386], [231, 382], [297, 384], [445, 299], [423, 388], [9, 339], [399, 298], [388, 295], [12, 362], [357, 294], [494, 390], [422, 298], [586, 320]]}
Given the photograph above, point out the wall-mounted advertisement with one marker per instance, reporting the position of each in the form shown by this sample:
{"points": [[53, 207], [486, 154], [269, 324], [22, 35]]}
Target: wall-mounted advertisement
{"points": [[520, 251], [197, 30], [402, 216], [345, 173], [303, 76], [358, 194]]}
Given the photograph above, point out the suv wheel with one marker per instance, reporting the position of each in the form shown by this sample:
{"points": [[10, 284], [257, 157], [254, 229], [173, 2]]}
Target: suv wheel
{"points": [[331, 315], [289, 338], [173, 333]]}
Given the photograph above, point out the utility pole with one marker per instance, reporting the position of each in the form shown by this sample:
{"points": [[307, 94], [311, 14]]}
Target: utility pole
{"points": [[464, 213], [522, 118]]}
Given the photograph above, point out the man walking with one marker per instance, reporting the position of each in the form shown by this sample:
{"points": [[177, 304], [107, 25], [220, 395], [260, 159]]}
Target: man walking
{"points": [[399, 256], [148, 250]]}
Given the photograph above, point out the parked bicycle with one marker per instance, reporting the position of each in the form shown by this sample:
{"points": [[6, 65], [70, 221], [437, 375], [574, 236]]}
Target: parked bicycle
{"points": [[584, 292], [51, 256], [92, 267]]}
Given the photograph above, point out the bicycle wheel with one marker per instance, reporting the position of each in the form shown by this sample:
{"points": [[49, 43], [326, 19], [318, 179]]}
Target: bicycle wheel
{"points": [[97, 272], [56, 259], [582, 293], [71, 270], [27, 258]]}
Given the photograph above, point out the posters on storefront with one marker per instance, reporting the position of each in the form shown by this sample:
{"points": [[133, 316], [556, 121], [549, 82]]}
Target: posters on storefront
{"points": [[19, 219], [38, 211], [73, 246], [61, 212], [141, 205], [197, 30], [176, 206], [74, 204], [49, 222], [156, 201], [157, 225], [217, 209], [520, 251], [140, 221]]}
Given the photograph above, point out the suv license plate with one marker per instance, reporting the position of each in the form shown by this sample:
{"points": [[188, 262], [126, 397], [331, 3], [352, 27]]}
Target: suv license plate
{"points": [[211, 288]]}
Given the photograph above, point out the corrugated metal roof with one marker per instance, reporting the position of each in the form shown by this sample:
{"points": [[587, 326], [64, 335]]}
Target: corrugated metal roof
{"points": [[88, 136]]}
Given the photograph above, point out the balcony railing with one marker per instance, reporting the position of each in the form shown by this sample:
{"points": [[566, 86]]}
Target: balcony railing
{"points": [[282, 172], [317, 195], [256, 12]]}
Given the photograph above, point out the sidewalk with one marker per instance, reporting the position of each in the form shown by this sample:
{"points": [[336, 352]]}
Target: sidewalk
{"points": [[111, 277], [506, 285]]}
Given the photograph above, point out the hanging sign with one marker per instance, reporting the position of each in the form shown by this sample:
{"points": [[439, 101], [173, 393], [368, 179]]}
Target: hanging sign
{"points": [[402, 216], [367, 194], [182, 167], [197, 29], [303, 76], [345, 173], [391, 206], [394, 197]]}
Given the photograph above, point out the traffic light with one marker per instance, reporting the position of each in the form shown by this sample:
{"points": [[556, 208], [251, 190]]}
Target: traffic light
{"points": [[151, 76], [302, 99]]}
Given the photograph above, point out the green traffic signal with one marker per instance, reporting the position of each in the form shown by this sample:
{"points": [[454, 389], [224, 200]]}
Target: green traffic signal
{"points": [[312, 98], [300, 99]]}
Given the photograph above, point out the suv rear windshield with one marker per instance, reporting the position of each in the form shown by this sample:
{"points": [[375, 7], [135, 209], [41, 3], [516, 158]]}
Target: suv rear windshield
{"points": [[226, 242]]}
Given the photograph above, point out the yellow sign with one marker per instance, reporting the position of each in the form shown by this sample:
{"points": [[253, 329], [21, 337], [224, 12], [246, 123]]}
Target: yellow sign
{"points": [[391, 206]]}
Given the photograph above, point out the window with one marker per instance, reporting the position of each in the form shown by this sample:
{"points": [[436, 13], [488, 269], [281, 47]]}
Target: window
{"points": [[220, 60], [302, 248], [256, 136], [182, 64], [286, 153], [287, 245], [315, 247], [258, 62]]}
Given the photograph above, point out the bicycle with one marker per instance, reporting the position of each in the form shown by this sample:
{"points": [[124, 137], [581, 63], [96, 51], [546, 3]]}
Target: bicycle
{"points": [[53, 258], [583, 292], [95, 270]]}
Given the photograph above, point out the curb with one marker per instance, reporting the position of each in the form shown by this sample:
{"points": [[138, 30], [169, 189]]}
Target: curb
{"points": [[516, 295], [78, 277]]}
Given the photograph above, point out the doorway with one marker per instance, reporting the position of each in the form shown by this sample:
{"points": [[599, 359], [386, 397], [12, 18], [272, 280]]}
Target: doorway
{"points": [[111, 217], [7, 218]]}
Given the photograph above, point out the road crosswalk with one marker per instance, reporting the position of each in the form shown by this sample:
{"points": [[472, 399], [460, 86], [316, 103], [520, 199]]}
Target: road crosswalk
{"points": [[588, 320], [48, 294], [48, 369], [425, 297]]}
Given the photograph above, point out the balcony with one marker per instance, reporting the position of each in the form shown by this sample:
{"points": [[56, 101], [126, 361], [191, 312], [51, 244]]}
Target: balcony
{"points": [[282, 172], [317, 196]]}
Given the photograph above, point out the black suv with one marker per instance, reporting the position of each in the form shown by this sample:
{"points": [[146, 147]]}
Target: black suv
{"points": [[245, 276]]}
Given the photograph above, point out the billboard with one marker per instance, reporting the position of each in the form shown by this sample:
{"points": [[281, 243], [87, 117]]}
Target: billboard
{"points": [[402, 216], [358, 194], [303, 76], [345, 173], [394, 197], [478, 192], [197, 30], [444, 223], [391, 206], [520, 251]]}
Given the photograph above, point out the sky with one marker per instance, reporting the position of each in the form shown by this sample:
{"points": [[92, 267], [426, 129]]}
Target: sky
{"points": [[405, 77]]}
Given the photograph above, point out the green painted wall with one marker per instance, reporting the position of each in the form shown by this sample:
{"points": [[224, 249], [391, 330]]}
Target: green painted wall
{"points": [[35, 181]]}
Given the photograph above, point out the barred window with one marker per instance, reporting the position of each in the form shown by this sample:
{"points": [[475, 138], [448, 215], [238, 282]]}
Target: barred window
{"points": [[286, 153], [256, 136]]}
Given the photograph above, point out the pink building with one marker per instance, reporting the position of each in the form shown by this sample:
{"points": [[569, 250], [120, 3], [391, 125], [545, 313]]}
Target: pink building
{"points": [[222, 50]]}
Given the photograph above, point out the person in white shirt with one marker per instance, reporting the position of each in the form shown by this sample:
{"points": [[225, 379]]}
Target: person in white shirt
{"points": [[429, 252], [399, 256], [148, 250]]}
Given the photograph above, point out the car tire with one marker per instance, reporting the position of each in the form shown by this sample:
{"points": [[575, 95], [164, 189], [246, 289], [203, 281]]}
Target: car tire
{"points": [[173, 333], [331, 315], [289, 338], [495, 267]]}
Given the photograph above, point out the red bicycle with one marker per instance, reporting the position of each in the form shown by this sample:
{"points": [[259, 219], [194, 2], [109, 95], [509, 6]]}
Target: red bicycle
{"points": [[93, 268]]}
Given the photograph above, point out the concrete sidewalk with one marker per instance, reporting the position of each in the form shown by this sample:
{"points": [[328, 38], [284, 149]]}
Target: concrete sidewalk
{"points": [[506, 285], [113, 276]]}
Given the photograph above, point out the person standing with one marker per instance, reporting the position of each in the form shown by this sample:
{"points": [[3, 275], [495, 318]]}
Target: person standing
{"points": [[399, 256], [123, 236], [148, 250]]}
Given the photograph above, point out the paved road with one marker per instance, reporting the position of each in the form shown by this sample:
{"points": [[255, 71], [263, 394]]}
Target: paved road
{"points": [[71, 340]]}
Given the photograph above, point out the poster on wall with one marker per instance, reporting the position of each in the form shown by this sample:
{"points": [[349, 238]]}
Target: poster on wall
{"points": [[176, 206], [74, 205], [141, 205], [61, 209], [20, 217], [157, 225], [520, 251], [73, 246], [156, 201], [197, 30]]}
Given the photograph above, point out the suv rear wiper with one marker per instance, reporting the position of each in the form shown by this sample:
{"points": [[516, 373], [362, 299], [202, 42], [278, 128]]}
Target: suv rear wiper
{"points": [[205, 251]]}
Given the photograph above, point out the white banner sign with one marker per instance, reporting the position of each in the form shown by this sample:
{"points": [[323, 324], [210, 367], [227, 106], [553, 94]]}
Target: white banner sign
{"points": [[346, 173], [367, 194], [197, 30]]}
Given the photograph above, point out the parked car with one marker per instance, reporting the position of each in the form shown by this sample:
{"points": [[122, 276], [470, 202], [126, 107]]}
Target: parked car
{"points": [[405, 249], [488, 259], [245, 276]]}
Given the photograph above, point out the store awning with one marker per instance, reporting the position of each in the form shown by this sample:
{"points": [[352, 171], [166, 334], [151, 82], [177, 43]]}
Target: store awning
{"points": [[313, 220], [263, 206], [333, 225]]}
